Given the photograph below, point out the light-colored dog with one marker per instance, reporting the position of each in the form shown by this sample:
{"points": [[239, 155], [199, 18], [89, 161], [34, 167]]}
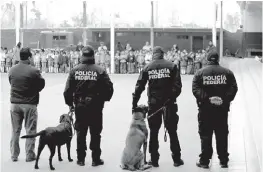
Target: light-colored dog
{"points": [[132, 157]]}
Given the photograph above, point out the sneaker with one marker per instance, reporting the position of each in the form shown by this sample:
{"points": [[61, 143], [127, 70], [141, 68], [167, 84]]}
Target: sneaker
{"points": [[178, 163], [224, 164], [202, 165], [80, 163], [31, 159], [97, 163], [154, 164]]}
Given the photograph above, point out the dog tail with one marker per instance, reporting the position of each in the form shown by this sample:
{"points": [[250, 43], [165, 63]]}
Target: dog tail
{"points": [[33, 135]]}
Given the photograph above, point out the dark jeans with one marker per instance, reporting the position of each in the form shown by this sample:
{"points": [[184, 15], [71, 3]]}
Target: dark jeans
{"points": [[19, 112], [155, 124], [88, 118], [210, 121]]}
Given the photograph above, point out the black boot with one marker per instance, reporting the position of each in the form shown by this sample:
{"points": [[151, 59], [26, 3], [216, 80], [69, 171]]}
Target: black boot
{"points": [[80, 162], [97, 162], [224, 164], [178, 163], [153, 163], [203, 164]]}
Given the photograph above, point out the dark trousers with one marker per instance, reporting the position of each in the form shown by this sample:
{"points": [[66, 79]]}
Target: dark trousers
{"points": [[210, 121], [88, 118], [155, 124]]}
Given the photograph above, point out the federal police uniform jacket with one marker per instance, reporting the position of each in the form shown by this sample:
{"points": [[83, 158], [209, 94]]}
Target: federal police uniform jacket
{"points": [[214, 80], [164, 82], [88, 80]]}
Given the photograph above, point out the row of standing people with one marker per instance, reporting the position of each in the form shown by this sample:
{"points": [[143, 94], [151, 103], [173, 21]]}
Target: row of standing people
{"points": [[56, 61], [134, 61]]}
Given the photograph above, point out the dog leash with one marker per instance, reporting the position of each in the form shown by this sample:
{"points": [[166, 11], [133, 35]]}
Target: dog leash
{"points": [[71, 113], [163, 108]]}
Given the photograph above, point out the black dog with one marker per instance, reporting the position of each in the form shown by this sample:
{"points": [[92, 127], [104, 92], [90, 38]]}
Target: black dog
{"points": [[54, 136]]}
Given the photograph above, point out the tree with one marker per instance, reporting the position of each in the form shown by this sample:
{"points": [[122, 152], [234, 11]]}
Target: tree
{"points": [[139, 24], [8, 15], [37, 22], [77, 20], [232, 22], [65, 24]]}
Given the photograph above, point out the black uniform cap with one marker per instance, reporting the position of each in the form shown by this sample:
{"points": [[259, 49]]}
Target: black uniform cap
{"points": [[213, 56], [25, 54], [88, 52], [158, 49]]}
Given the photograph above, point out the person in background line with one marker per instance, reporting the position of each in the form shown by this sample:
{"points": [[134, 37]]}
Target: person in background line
{"points": [[175, 48], [141, 60], [71, 60], [44, 61], [37, 60], [26, 83], [107, 62], [16, 56], [102, 47], [204, 59], [119, 47], [9, 60], [3, 59], [147, 46], [56, 65], [79, 46], [197, 62], [60, 61], [148, 57], [131, 62], [190, 63], [211, 47], [128, 47], [50, 62], [123, 62], [227, 53], [117, 62], [183, 63], [64, 65]]}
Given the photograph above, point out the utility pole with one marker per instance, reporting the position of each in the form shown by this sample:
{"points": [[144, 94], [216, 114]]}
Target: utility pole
{"points": [[17, 21], [221, 31], [112, 40], [156, 13], [26, 14], [152, 25], [84, 23], [214, 25], [21, 10]]}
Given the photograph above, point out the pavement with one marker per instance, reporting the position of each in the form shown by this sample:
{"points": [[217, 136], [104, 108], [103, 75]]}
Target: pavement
{"points": [[244, 123]]}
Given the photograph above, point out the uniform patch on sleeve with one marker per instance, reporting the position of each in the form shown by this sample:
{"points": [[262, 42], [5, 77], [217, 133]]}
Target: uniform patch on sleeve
{"points": [[214, 80], [159, 73], [86, 75]]}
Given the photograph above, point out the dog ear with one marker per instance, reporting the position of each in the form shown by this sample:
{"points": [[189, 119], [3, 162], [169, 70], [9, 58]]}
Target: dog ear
{"points": [[61, 118]]}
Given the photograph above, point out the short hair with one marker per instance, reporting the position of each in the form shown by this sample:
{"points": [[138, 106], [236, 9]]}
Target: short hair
{"points": [[25, 54]]}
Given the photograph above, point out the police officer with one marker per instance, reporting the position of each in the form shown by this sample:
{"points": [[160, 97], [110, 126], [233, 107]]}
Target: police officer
{"points": [[214, 87], [88, 87], [164, 86]]}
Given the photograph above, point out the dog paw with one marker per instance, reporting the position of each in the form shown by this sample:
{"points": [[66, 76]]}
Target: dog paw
{"points": [[70, 160], [52, 168], [36, 167], [60, 159]]}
